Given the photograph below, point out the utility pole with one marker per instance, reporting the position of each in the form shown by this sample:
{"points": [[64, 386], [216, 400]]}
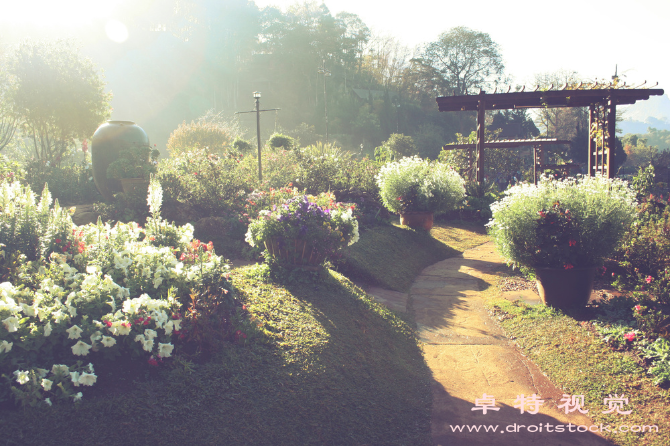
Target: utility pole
{"points": [[257, 97]]}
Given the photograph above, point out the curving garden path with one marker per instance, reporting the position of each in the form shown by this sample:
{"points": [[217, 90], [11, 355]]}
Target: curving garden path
{"points": [[468, 355]]}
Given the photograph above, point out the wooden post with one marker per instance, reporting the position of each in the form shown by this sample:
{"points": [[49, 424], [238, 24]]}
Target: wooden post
{"points": [[611, 136], [481, 139], [593, 148]]}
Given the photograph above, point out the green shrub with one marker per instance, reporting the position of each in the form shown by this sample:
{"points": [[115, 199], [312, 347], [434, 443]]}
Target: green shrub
{"points": [[10, 170], [71, 184], [594, 211], [202, 135], [205, 183], [278, 140], [243, 146], [643, 256], [413, 185]]}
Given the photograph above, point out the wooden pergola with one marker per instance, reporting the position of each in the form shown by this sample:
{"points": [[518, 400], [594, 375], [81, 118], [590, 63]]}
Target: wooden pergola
{"points": [[539, 162], [602, 100]]}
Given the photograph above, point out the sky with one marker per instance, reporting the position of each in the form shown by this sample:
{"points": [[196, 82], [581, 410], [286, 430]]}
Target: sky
{"points": [[590, 37]]}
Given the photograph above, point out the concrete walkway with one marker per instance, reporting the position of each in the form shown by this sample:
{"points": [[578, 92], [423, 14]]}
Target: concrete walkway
{"points": [[469, 356]]}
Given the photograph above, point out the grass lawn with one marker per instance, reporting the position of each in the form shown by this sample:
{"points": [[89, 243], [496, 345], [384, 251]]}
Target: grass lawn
{"points": [[322, 364], [392, 256], [578, 361]]}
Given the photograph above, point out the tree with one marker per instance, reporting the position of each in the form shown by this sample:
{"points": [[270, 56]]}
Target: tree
{"points": [[8, 120], [58, 96], [466, 60]]}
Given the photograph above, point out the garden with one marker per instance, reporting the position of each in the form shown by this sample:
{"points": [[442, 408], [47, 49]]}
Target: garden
{"points": [[141, 315]]}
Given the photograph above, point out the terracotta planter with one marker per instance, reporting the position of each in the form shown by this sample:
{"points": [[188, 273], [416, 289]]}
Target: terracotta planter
{"points": [[417, 220], [565, 288], [295, 252], [130, 184], [107, 142]]}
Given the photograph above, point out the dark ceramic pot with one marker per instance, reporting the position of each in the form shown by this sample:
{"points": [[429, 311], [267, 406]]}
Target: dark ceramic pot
{"points": [[565, 288], [108, 140]]}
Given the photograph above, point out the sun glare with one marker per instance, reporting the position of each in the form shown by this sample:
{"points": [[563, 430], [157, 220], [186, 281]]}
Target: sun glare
{"points": [[116, 31], [57, 13]]}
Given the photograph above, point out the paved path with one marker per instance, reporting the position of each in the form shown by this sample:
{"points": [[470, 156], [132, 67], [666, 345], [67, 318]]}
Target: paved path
{"points": [[468, 356]]}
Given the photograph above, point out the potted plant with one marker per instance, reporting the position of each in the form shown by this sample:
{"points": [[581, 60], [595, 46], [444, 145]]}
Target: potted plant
{"points": [[417, 189], [303, 230], [563, 229], [134, 166]]}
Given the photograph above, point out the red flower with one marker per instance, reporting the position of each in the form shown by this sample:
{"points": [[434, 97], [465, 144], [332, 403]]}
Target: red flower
{"points": [[629, 336], [108, 323], [568, 266], [649, 279], [572, 242], [152, 361], [542, 214], [139, 321], [58, 240], [637, 308]]}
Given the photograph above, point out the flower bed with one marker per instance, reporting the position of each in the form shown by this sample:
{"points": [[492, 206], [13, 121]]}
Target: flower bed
{"points": [[92, 293]]}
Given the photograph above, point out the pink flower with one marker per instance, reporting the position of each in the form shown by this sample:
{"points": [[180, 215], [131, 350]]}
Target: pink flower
{"points": [[637, 308], [152, 361], [649, 279], [568, 266], [58, 240], [629, 336]]}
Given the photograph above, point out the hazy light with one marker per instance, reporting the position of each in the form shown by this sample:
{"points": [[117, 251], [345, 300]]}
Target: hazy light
{"points": [[56, 13], [116, 31]]}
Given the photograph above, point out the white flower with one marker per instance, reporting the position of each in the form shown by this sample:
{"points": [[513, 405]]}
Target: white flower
{"points": [[42, 372], [6, 346], [22, 376], [47, 329], [77, 397], [74, 332], [165, 350], [150, 334], [95, 336], [74, 376], [108, 341], [140, 338], [59, 369], [47, 384], [28, 310], [87, 379], [148, 345], [48, 401], [80, 348], [11, 324]]}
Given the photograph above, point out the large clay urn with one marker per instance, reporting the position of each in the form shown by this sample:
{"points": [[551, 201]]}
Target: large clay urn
{"points": [[108, 140]]}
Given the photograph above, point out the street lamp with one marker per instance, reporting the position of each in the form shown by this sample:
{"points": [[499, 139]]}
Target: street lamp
{"points": [[257, 97], [325, 73]]}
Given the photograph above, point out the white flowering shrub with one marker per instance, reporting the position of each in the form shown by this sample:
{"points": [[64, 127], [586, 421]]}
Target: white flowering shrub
{"points": [[576, 221], [97, 292], [413, 185]]}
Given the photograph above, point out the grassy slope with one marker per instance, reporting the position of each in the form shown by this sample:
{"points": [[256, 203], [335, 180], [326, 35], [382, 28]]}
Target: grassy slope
{"points": [[327, 366], [581, 364], [392, 256]]}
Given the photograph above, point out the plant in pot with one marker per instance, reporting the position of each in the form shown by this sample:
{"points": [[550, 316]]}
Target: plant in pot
{"points": [[563, 229], [134, 166], [418, 189], [304, 230]]}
